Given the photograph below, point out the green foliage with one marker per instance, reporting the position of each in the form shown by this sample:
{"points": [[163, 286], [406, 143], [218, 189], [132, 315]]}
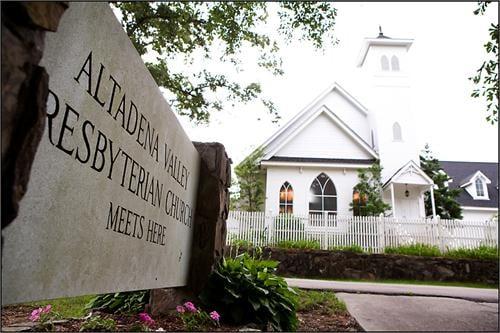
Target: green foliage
{"points": [[414, 250], [324, 301], [369, 188], [445, 201], [245, 290], [352, 248], [300, 244], [238, 242], [486, 78], [98, 324], [251, 182], [69, 307], [481, 252], [219, 32], [129, 302]]}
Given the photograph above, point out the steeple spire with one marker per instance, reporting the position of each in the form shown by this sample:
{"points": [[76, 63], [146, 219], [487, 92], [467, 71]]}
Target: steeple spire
{"points": [[380, 33]]}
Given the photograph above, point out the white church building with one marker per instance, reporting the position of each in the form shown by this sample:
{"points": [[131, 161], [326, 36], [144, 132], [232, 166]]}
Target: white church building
{"points": [[311, 163]]}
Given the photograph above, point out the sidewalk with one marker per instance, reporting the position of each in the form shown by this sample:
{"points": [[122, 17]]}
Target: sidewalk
{"points": [[470, 294]]}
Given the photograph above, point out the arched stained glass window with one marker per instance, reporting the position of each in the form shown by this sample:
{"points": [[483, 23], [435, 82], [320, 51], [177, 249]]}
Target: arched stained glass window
{"points": [[286, 198], [323, 195], [384, 62], [395, 63], [396, 132]]}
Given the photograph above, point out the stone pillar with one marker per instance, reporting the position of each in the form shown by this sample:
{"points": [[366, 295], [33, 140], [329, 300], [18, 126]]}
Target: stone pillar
{"points": [[209, 234], [24, 93]]}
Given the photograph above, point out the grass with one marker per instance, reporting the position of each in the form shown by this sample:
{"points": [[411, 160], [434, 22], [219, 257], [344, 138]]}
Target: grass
{"points": [[324, 301], [481, 252], [69, 307], [419, 282], [351, 248], [414, 250], [301, 244]]}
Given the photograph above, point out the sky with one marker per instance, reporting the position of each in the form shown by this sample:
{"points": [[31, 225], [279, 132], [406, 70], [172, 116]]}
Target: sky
{"points": [[447, 49]]}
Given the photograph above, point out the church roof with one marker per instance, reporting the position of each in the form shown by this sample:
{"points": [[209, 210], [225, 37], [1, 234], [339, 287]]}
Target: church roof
{"points": [[461, 172], [322, 160]]}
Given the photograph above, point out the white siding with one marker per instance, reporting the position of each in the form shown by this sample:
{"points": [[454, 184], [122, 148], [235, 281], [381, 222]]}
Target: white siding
{"points": [[301, 182], [323, 138], [477, 214]]}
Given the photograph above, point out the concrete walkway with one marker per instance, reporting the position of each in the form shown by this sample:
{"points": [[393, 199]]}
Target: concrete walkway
{"points": [[404, 307], [471, 294]]}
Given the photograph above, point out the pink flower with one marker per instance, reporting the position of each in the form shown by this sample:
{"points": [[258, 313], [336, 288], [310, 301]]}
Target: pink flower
{"points": [[214, 315], [35, 314], [47, 308], [190, 307], [144, 317], [180, 309]]}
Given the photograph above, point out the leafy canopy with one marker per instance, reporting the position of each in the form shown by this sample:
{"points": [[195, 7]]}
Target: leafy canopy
{"points": [[368, 193], [486, 78], [444, 197], [186, 30], [251, 182]]}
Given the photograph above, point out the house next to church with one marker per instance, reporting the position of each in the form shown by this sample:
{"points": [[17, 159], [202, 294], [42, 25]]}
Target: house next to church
{"points": [[311, 163]]}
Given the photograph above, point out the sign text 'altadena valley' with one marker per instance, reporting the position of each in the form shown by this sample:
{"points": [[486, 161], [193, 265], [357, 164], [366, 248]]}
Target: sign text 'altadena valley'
{"points": [[105, 156]]}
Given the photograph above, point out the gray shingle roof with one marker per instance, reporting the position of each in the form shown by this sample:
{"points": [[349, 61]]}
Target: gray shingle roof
{"points": [[460, 172]]}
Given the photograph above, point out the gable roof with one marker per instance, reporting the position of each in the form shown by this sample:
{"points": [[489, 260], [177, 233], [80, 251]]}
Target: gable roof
{"points": [[462, 172], [410, 167], [468, 180], [308, 114], [335, 119]]}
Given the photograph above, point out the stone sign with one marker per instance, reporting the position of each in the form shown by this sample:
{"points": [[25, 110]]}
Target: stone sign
{"points": [[111, 199]]}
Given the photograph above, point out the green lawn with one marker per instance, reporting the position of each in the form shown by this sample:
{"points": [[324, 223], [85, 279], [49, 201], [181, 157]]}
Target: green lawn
{"points": [[429, 283], [69, 307], [325, 301]]}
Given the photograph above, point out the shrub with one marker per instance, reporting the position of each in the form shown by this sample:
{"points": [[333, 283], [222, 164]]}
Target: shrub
{"points": [[352, 248], [98, 324], [301, 244], [481, 252], [415, 250], [237, 242], [245, 290], [124, 302]]}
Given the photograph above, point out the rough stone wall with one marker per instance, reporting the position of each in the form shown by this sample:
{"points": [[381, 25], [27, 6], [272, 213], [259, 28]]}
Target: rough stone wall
{"points": [[24, 93], [209, 234], [343, 264]]}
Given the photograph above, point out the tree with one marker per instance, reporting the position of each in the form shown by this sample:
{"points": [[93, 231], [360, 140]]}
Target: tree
{"points": [[251, 182], [444, 197], [218, 31], [487, 75], [367, 198]]}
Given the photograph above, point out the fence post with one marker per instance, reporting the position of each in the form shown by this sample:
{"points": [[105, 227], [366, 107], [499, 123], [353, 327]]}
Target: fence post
{"points": [[381, 227], [269, 227], [440, 233], [325, 245]]}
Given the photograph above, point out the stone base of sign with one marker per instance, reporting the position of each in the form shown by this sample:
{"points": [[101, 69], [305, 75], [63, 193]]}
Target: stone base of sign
{"points": [[24, 93], [209, 239]]}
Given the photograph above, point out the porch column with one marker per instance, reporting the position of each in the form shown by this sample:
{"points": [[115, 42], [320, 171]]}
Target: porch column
{"points": [[432, 202], [393, 201]]}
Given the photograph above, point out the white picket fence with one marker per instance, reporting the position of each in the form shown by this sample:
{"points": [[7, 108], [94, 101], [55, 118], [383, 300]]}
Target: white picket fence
{"points": [[372, 233]]}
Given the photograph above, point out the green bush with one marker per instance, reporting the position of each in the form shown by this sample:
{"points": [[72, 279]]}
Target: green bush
{"points": [[246, 290], [98, 324], [237, 242], [301, 244], [125, 302], [481, 252], [352, 248], [415, 250]]}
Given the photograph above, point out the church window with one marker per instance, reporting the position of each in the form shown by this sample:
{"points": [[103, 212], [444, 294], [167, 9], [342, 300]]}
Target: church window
{"points": [[359, 203], [286, 198], [395, 63], [323, 196], [479, 187], [396, 132], [385, 63]]}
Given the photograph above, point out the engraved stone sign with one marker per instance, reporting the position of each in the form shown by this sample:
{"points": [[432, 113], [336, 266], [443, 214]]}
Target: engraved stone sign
{"points": [[111, 199]]}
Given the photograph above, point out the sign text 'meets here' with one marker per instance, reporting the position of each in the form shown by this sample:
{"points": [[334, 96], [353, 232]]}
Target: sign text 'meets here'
{"points": [[98, 151]]}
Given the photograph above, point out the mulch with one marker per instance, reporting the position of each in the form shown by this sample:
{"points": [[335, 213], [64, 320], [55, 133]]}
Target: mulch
{"points": [[309, 321]]}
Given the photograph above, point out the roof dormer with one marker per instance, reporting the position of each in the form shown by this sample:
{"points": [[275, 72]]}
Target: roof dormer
{"points": [[476, 186]]}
